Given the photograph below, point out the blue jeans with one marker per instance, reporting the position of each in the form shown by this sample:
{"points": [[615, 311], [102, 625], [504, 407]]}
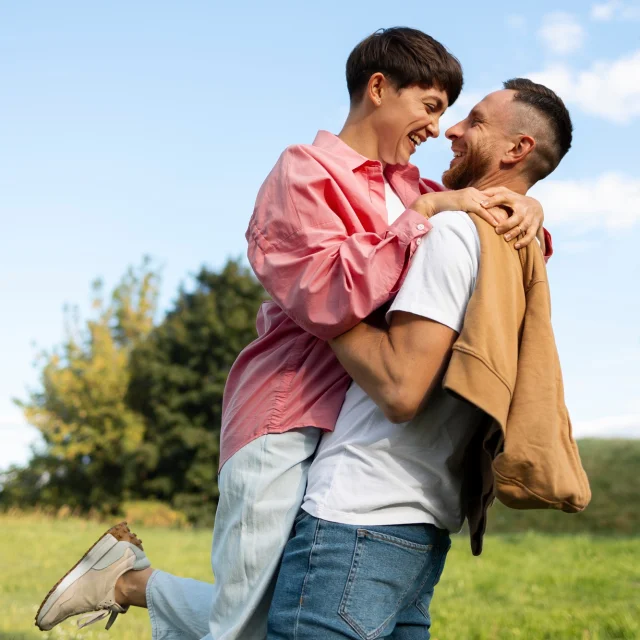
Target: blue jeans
{"points": [[344, 581]]}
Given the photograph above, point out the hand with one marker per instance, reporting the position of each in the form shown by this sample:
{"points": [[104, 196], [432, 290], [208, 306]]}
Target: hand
{"points": [[470, 200], [527, 216]]}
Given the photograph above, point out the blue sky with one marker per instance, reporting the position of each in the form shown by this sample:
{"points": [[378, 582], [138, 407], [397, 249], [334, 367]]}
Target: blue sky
{"points": [[148, 127]]}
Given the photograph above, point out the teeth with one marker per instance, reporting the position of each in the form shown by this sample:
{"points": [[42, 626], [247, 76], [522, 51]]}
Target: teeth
{"points": [[417, 141]]}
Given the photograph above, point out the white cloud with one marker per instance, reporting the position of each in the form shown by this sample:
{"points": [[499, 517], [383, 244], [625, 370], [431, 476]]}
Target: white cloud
{"points": [[608, 89], [615, 10], [605, 11], [612, 427], [562, 33], [611, 200]]}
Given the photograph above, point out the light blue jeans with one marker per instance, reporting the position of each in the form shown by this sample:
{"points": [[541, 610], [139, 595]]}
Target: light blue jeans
{"points": [[261, 490], [340, 581]]}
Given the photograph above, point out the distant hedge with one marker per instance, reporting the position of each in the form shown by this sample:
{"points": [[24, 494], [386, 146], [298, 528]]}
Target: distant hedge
{"points": [[613, 467]]}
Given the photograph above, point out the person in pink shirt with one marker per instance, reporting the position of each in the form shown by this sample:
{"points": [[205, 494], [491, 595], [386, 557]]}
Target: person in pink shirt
{"points": [[333, 231]]}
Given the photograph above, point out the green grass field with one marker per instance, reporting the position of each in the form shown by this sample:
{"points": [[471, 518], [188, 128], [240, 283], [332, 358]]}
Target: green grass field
{"points": [[525, 586]]}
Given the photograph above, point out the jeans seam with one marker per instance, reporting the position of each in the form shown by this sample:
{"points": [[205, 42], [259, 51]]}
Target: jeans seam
{"points": [[441, 554], [398, 542], [306, 578], [150, 607]]}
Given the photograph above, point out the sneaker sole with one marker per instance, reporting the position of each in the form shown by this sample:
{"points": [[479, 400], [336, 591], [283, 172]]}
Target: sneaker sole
{"points": [[100, 548]]}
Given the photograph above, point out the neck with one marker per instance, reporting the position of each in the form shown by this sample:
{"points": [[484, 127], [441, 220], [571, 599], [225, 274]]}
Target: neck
{"points": [[501, 178], [359, 133]]}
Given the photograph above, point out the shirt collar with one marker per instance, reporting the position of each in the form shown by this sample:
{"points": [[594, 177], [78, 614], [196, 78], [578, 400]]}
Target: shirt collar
{"points": [[350, 157], [333, 144]]}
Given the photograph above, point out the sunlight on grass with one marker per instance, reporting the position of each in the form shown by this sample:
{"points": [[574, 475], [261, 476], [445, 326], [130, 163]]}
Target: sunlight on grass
{"points": [[524, 586]]}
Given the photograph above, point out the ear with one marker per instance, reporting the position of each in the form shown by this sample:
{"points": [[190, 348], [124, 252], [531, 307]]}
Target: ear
{"points": [[521, 148], [376, 87]]}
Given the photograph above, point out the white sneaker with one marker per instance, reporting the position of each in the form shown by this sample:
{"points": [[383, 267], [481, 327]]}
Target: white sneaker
{"points": [[90, 585]]}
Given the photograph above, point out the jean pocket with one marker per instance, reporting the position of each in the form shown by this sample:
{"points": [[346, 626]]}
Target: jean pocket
{"points": [[386, 575]]}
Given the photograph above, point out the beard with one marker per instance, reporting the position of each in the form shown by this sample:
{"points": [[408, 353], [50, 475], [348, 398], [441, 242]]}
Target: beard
{"points": [[473, 166]]}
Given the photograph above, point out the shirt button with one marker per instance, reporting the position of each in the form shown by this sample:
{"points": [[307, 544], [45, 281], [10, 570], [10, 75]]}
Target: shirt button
{"points": [[420, 227], [419, 241]]}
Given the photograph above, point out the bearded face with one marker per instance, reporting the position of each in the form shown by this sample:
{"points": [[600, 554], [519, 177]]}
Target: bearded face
{"points": [[469, 168]]}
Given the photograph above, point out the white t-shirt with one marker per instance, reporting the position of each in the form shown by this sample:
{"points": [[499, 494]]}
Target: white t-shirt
{"points": [[395, 208], [372, 472]]}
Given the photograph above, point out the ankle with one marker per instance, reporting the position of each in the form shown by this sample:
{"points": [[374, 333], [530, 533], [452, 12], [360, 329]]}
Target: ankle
{"points": [[131, 588]]}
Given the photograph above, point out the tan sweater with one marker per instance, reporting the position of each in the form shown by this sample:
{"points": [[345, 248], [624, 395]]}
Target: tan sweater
{"points": [[505, 362]]}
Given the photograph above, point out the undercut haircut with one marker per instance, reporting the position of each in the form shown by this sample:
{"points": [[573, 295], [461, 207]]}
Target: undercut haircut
{"points": [[406, 57], [548, 120]]}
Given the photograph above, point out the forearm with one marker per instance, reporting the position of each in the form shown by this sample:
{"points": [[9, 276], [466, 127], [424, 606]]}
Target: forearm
{"points": [[327, 281], [386, 363], [366, 353]]}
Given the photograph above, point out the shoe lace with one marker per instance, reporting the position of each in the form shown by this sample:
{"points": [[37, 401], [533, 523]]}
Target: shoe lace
{"points": [[96, 616]]}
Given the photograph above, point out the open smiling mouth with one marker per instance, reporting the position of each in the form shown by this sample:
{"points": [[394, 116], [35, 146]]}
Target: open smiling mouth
{"points": [[456, 156], [415, 139]]}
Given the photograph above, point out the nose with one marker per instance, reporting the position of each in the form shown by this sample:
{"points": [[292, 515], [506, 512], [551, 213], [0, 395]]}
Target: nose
{"points": [[433, 128], [453, 133]]}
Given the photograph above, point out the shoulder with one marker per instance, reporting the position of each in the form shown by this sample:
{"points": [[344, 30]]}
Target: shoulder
{"points": [[301, 162], [451, 246], [452, 226], [298, 164], [307, 153]]}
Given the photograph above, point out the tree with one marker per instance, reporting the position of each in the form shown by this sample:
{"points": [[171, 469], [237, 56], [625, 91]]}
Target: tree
{"points": [[177, 380], [91, 435]]}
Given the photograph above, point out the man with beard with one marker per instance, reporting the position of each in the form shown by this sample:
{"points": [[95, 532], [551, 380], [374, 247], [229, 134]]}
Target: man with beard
{"points": [[386, 487]]}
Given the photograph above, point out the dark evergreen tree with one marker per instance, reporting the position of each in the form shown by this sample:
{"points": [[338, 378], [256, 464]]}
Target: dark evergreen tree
{"points": [[177, 380]]}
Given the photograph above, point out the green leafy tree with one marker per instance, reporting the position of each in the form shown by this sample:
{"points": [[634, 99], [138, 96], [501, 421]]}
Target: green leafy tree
{"points": [[178, 376], [91, 435]]}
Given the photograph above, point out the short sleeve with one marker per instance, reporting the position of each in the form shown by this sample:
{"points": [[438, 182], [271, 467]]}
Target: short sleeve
{"points": [[443, 272]]}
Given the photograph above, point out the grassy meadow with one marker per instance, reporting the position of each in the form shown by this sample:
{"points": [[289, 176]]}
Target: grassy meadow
{"points": [[525, 585]]}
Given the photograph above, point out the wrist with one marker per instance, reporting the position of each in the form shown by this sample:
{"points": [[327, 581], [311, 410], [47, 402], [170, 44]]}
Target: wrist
{"points": [[426, 205]]}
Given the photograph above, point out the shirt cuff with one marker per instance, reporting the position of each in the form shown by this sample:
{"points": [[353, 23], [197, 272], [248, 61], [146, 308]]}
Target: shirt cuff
{"points": [[409, 226]]}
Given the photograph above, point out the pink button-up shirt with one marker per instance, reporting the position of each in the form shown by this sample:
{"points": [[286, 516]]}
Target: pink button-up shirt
{"points": [[320, 244]]}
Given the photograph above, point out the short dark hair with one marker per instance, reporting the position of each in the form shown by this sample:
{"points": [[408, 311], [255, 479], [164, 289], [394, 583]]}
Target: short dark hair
{"points": [[406, 57], [550, 148]]}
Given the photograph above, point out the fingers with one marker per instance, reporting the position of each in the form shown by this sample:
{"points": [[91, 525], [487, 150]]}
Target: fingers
{"points": [[499, 213], [485, 214], [506, 226], [473, 201], [528, 238], [498, 196]]}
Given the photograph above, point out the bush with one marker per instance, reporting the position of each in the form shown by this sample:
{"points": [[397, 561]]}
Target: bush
{"points": [[153, 514]]}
